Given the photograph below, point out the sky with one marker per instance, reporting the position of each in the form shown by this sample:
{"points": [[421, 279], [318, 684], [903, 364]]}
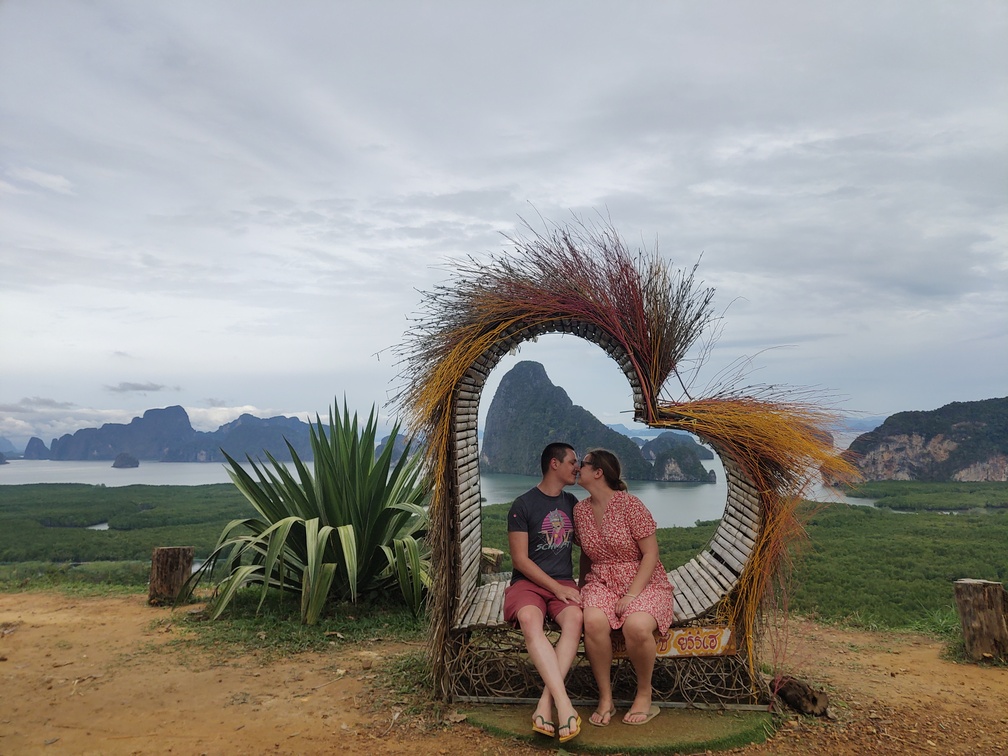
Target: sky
{"points": [[237, 206]]}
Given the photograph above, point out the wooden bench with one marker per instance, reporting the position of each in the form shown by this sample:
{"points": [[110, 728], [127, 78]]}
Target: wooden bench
{"points": [[698, 663], [700, 584]]}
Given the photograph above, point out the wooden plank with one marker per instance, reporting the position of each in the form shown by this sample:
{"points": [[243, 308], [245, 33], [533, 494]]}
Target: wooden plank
{"points": [[673, 577], [494, 606], [700, 572], [742, 526], [718, 563], [745, 504], [480, 600], [467, 615], [739, 530], [497, 619], [471, 551], [742, 483], [470, 574], [683, 595], [726, 547], [720, 550], [743, 519], [717, 571], [742, 540], [485, 599], [698, 597], [736, 548], [469, 520], [469, 544], [466, 445], [467, 516], [744, 515], [699, 589]]}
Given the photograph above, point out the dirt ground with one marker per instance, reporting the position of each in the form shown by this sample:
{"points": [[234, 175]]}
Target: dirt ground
{"points": [[98, 675]]}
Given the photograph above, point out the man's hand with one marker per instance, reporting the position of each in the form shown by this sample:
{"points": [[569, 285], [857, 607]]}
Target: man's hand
{"points": [[568, 595]]}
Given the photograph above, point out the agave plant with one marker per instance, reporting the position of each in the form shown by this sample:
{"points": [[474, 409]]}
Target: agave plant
{"points": [[353, 524]]}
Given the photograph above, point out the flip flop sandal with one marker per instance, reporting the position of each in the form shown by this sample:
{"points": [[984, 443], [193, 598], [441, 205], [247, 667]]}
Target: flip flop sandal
{"points": [[648, 716], [539, 723], [611, 713], [571, 734]]}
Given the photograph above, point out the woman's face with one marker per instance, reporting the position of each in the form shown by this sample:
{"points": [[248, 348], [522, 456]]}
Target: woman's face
{"points": [[590, 475]]}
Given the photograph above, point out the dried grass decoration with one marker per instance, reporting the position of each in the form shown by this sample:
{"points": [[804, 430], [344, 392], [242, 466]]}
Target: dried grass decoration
{"points": [[582, 279]]}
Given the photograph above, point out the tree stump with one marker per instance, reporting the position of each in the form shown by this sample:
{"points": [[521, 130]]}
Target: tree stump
{"points": [[491, 560], [983, 612], [170, 568]]}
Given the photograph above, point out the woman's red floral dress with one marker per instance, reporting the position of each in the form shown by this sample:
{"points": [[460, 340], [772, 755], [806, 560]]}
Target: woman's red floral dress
{"points": [[615, 558]]}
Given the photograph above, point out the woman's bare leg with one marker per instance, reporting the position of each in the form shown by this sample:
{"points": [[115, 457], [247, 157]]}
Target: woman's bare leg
{"points": [[638, 631], [598, 648]]}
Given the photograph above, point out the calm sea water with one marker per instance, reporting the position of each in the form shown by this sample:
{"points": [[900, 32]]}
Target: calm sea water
{"points": [[672, 504]]}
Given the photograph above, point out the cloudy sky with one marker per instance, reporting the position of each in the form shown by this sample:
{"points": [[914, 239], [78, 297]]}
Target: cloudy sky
{"points": [[234, 206]]}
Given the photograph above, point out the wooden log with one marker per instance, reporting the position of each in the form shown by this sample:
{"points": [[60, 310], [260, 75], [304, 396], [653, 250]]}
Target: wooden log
{"points": [[492, 559], [170, 568], [983, 612]]}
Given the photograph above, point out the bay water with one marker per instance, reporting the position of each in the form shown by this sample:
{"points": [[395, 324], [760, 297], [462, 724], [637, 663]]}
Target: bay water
{"points": [[672, 504]]}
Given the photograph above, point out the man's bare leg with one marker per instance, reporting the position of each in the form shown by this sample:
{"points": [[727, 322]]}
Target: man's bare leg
{"points": [[547, 659]]}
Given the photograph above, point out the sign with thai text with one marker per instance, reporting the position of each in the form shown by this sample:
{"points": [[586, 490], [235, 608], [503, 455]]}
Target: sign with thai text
{"points": [[685, 641]]}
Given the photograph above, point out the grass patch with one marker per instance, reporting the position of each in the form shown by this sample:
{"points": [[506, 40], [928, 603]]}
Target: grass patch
{"points": [[84, 579], [276, 629]]}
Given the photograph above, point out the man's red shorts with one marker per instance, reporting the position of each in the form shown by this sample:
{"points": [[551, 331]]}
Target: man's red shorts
{"points": [[524, 592]]}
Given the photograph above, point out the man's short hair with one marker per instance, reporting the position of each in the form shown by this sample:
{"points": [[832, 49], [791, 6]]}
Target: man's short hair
{"points": [[557, 450]]}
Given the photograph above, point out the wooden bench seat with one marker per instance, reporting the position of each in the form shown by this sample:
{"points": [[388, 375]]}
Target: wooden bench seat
{"points": [[699, 585]]}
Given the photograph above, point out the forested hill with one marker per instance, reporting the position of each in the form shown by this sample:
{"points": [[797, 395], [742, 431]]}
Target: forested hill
{"points": [[529, 411], [962, 441]]}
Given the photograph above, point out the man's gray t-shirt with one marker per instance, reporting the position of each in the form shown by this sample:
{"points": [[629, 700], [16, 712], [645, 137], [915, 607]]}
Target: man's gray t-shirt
{"points": [[549, 522]]}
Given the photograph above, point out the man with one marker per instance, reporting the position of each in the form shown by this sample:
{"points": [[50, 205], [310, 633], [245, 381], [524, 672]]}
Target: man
{"points": [[540, 536]]}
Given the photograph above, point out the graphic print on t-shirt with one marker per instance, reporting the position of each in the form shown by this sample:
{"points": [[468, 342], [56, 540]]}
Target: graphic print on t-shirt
{"points": [[557, 529]]}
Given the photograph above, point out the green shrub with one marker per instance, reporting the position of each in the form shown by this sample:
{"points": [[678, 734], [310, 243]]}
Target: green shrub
{"points": [[352, 526]]}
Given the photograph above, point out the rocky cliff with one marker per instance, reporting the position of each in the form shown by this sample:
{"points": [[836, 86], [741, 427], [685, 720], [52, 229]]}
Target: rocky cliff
{"points": [[962, 441], [528, 411]]}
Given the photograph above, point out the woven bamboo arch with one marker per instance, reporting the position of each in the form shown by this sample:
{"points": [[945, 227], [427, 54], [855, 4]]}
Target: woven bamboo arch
{"points": [[645, 315], [702, 583]]}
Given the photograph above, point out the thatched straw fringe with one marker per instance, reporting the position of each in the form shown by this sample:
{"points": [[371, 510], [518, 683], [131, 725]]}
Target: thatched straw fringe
{"points": [[646, 315]]}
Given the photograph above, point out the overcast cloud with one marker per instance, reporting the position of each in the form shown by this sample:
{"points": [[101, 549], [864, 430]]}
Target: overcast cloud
{"points": [[232, 206]]}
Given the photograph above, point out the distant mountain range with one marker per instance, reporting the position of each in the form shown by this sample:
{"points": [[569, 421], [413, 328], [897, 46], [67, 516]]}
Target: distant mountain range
{"points": [[962, 441], [166, 435]]}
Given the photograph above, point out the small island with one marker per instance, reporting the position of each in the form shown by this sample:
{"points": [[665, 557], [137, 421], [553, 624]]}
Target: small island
{"points": [[124, 459]]}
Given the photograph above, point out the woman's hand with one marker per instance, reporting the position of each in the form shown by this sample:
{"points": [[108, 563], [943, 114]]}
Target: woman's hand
{"points": [[624, 602]]}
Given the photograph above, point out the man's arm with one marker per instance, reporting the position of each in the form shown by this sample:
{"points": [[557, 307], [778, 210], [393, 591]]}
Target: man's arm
{"points": [[518, 545]]}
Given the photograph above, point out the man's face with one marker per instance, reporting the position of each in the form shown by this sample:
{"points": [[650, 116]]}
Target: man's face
{"points": [[568, 469]]}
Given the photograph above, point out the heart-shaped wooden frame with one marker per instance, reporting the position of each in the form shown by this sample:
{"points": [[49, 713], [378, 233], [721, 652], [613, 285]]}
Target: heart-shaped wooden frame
{"points": [[646, 315]]}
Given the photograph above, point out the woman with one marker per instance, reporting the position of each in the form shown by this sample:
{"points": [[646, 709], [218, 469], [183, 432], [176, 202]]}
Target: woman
{"points": [[623, 583]]}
